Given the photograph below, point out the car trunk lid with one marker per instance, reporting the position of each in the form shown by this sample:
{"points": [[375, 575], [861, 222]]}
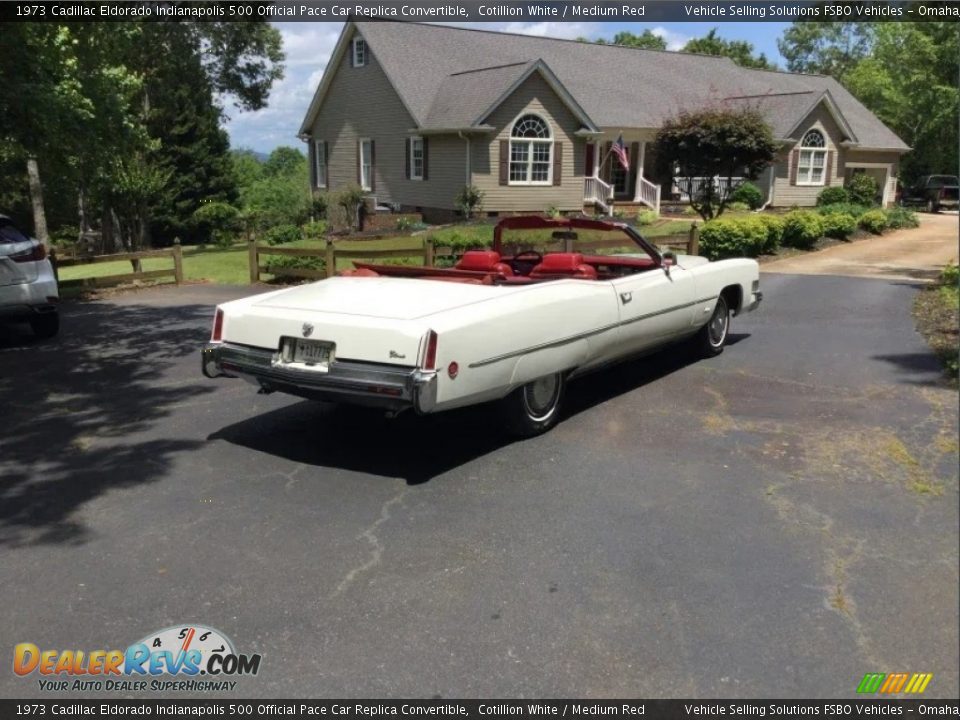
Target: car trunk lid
{"points": [[382, 320]]}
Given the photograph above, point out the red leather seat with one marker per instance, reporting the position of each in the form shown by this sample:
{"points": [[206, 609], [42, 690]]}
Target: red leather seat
{"points": [[483, 261], [564, 265]]}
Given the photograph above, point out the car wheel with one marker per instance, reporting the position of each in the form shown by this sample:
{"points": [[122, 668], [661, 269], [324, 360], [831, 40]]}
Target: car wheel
{"points": [[534, 408], [932, 206], [46, 325], [713, 336]]}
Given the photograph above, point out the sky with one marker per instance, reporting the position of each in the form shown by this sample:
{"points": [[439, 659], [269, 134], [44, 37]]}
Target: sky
{"points": [[308, 47]]}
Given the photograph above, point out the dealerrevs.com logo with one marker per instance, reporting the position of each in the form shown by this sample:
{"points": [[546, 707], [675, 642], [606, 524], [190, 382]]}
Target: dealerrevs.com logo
{"points": [[184, 657]]}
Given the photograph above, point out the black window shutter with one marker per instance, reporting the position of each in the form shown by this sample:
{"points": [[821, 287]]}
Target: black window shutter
{"points": [[359, 159], [504, 162], [373, 166], [426, 158], [312, 159], [795, 161], [326, 165], [828, 169], [407, 156], [558, 163]]}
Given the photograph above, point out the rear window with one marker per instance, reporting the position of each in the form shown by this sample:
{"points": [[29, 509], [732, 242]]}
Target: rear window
{"points": [[10, 234], [937, 181]]}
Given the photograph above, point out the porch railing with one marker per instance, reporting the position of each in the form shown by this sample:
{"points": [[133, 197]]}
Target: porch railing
{"points": [[598, 192], [648, 193], [721, 185]]}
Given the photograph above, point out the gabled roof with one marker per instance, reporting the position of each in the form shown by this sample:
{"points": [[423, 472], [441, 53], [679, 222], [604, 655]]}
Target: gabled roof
{"points": [[465, 99], [786, 111], [444, 76]]}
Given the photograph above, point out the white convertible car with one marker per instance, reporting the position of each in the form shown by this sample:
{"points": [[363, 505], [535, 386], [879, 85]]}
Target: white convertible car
{"points": [[496, 326]]}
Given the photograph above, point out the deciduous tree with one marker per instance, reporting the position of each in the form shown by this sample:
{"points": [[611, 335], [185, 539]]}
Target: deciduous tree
{"points": [[710, 143]]}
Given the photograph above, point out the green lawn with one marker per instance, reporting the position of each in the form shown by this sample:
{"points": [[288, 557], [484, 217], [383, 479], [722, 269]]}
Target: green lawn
{"points": [[229, 266]]}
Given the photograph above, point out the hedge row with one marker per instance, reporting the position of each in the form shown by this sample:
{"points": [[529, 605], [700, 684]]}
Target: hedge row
{"points": [[763, 234]]}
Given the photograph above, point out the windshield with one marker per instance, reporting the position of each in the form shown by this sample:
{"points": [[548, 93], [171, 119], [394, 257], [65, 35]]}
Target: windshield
{"points": [[10, 234], [579, 240]]}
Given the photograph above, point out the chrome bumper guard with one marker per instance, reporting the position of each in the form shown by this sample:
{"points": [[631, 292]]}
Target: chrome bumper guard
{"points": [[359, 383]]}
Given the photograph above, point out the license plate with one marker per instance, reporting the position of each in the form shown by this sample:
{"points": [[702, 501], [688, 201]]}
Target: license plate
{"points": [[310, 352]]}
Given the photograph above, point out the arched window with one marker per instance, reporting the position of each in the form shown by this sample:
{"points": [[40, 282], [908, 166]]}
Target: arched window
{"points": [[531, 151], [812, 162]]}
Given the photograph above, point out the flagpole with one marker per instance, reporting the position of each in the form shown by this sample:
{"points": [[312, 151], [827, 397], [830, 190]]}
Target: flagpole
{"points": [[604, 162]]}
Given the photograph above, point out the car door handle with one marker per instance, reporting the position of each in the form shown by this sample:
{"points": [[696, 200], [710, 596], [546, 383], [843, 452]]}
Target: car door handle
{"points": [[626, 297]]}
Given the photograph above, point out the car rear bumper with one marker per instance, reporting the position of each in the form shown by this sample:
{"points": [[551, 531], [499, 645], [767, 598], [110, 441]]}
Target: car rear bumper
{"points": [[755, 301], [389, 387]]}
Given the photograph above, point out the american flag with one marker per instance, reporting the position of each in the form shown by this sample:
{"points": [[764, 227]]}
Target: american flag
{"points": [[620, 150]]}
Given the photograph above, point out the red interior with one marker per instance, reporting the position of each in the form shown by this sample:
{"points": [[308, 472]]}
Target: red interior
{"points": [[489, 267]]}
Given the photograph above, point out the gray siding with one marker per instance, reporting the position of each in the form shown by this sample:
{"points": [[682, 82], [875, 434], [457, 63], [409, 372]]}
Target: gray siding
{"points": [[362, 103], [533, 95]]}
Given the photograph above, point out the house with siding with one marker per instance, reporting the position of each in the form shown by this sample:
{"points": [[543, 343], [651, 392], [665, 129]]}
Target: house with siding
{"points": [[414, 112]]}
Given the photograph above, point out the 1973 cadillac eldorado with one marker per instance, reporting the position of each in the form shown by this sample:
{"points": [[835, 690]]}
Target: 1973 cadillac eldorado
{"points": [[512, 327]]}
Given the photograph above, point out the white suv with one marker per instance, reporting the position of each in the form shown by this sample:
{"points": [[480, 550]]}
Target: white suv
{"points": [[28, 286]]}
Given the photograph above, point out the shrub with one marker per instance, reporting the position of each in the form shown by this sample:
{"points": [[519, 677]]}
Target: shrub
{"points": [[469, 200], [950, 275], [874, 221], [689, 211], [733, 237], [315, 230], [738, 207], [849, 208], [901, 218], [292, 261], [319, 205], [833, 196], [405, 223], [839, 225], [863, 189], [280, 234], [552, 211], [802, 229], [774, 225], [647, 217], [748, 194], [351, 200]]}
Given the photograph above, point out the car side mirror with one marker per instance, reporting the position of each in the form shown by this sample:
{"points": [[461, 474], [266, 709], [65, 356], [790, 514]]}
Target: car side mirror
{"points": [[669, 259]]}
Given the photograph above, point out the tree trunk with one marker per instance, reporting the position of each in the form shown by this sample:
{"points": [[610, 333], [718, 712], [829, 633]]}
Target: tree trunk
{"points": [[36, 199]]}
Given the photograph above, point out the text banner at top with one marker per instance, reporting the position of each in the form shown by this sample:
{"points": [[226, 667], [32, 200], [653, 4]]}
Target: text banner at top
{"points": [[492, 11]]}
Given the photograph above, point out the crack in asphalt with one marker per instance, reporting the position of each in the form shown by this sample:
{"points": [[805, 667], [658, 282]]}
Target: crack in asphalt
{"points": [[376, 548]]}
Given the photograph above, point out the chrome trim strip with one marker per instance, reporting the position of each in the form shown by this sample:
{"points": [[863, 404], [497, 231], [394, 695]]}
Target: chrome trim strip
{"points": [[590, 333]]}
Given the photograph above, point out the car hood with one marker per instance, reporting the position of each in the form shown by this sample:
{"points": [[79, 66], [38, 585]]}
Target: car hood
{"points": [[383, 297]]}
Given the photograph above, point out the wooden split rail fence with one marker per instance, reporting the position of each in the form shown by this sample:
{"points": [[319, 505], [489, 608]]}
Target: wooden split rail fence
{"points": [[688, 243], [176, 272]]}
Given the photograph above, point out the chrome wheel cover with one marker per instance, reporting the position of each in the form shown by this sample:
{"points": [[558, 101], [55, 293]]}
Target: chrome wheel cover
{"points": [[719, 322], [540, 397]]}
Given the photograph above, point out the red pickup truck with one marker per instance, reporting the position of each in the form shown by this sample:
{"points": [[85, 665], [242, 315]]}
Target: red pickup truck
{"points": [[934, 191]]}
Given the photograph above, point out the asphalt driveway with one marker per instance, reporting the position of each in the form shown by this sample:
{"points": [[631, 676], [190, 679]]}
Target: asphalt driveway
{"points": [[774, 522]]}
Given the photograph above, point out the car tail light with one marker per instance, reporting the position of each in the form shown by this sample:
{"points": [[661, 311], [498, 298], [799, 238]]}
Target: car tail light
{"points": [[217, 335], [32, 254], [430, 356]]}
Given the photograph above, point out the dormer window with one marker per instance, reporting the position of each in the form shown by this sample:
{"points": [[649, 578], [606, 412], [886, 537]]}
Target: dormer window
{"points": [[359, 52]]}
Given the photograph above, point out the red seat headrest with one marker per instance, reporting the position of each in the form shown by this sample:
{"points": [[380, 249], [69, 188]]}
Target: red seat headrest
{"points": [[560, 262], [481, 260]]}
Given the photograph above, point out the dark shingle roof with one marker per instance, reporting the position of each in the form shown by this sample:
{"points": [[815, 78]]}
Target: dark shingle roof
{"points": [[618, 87]]}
